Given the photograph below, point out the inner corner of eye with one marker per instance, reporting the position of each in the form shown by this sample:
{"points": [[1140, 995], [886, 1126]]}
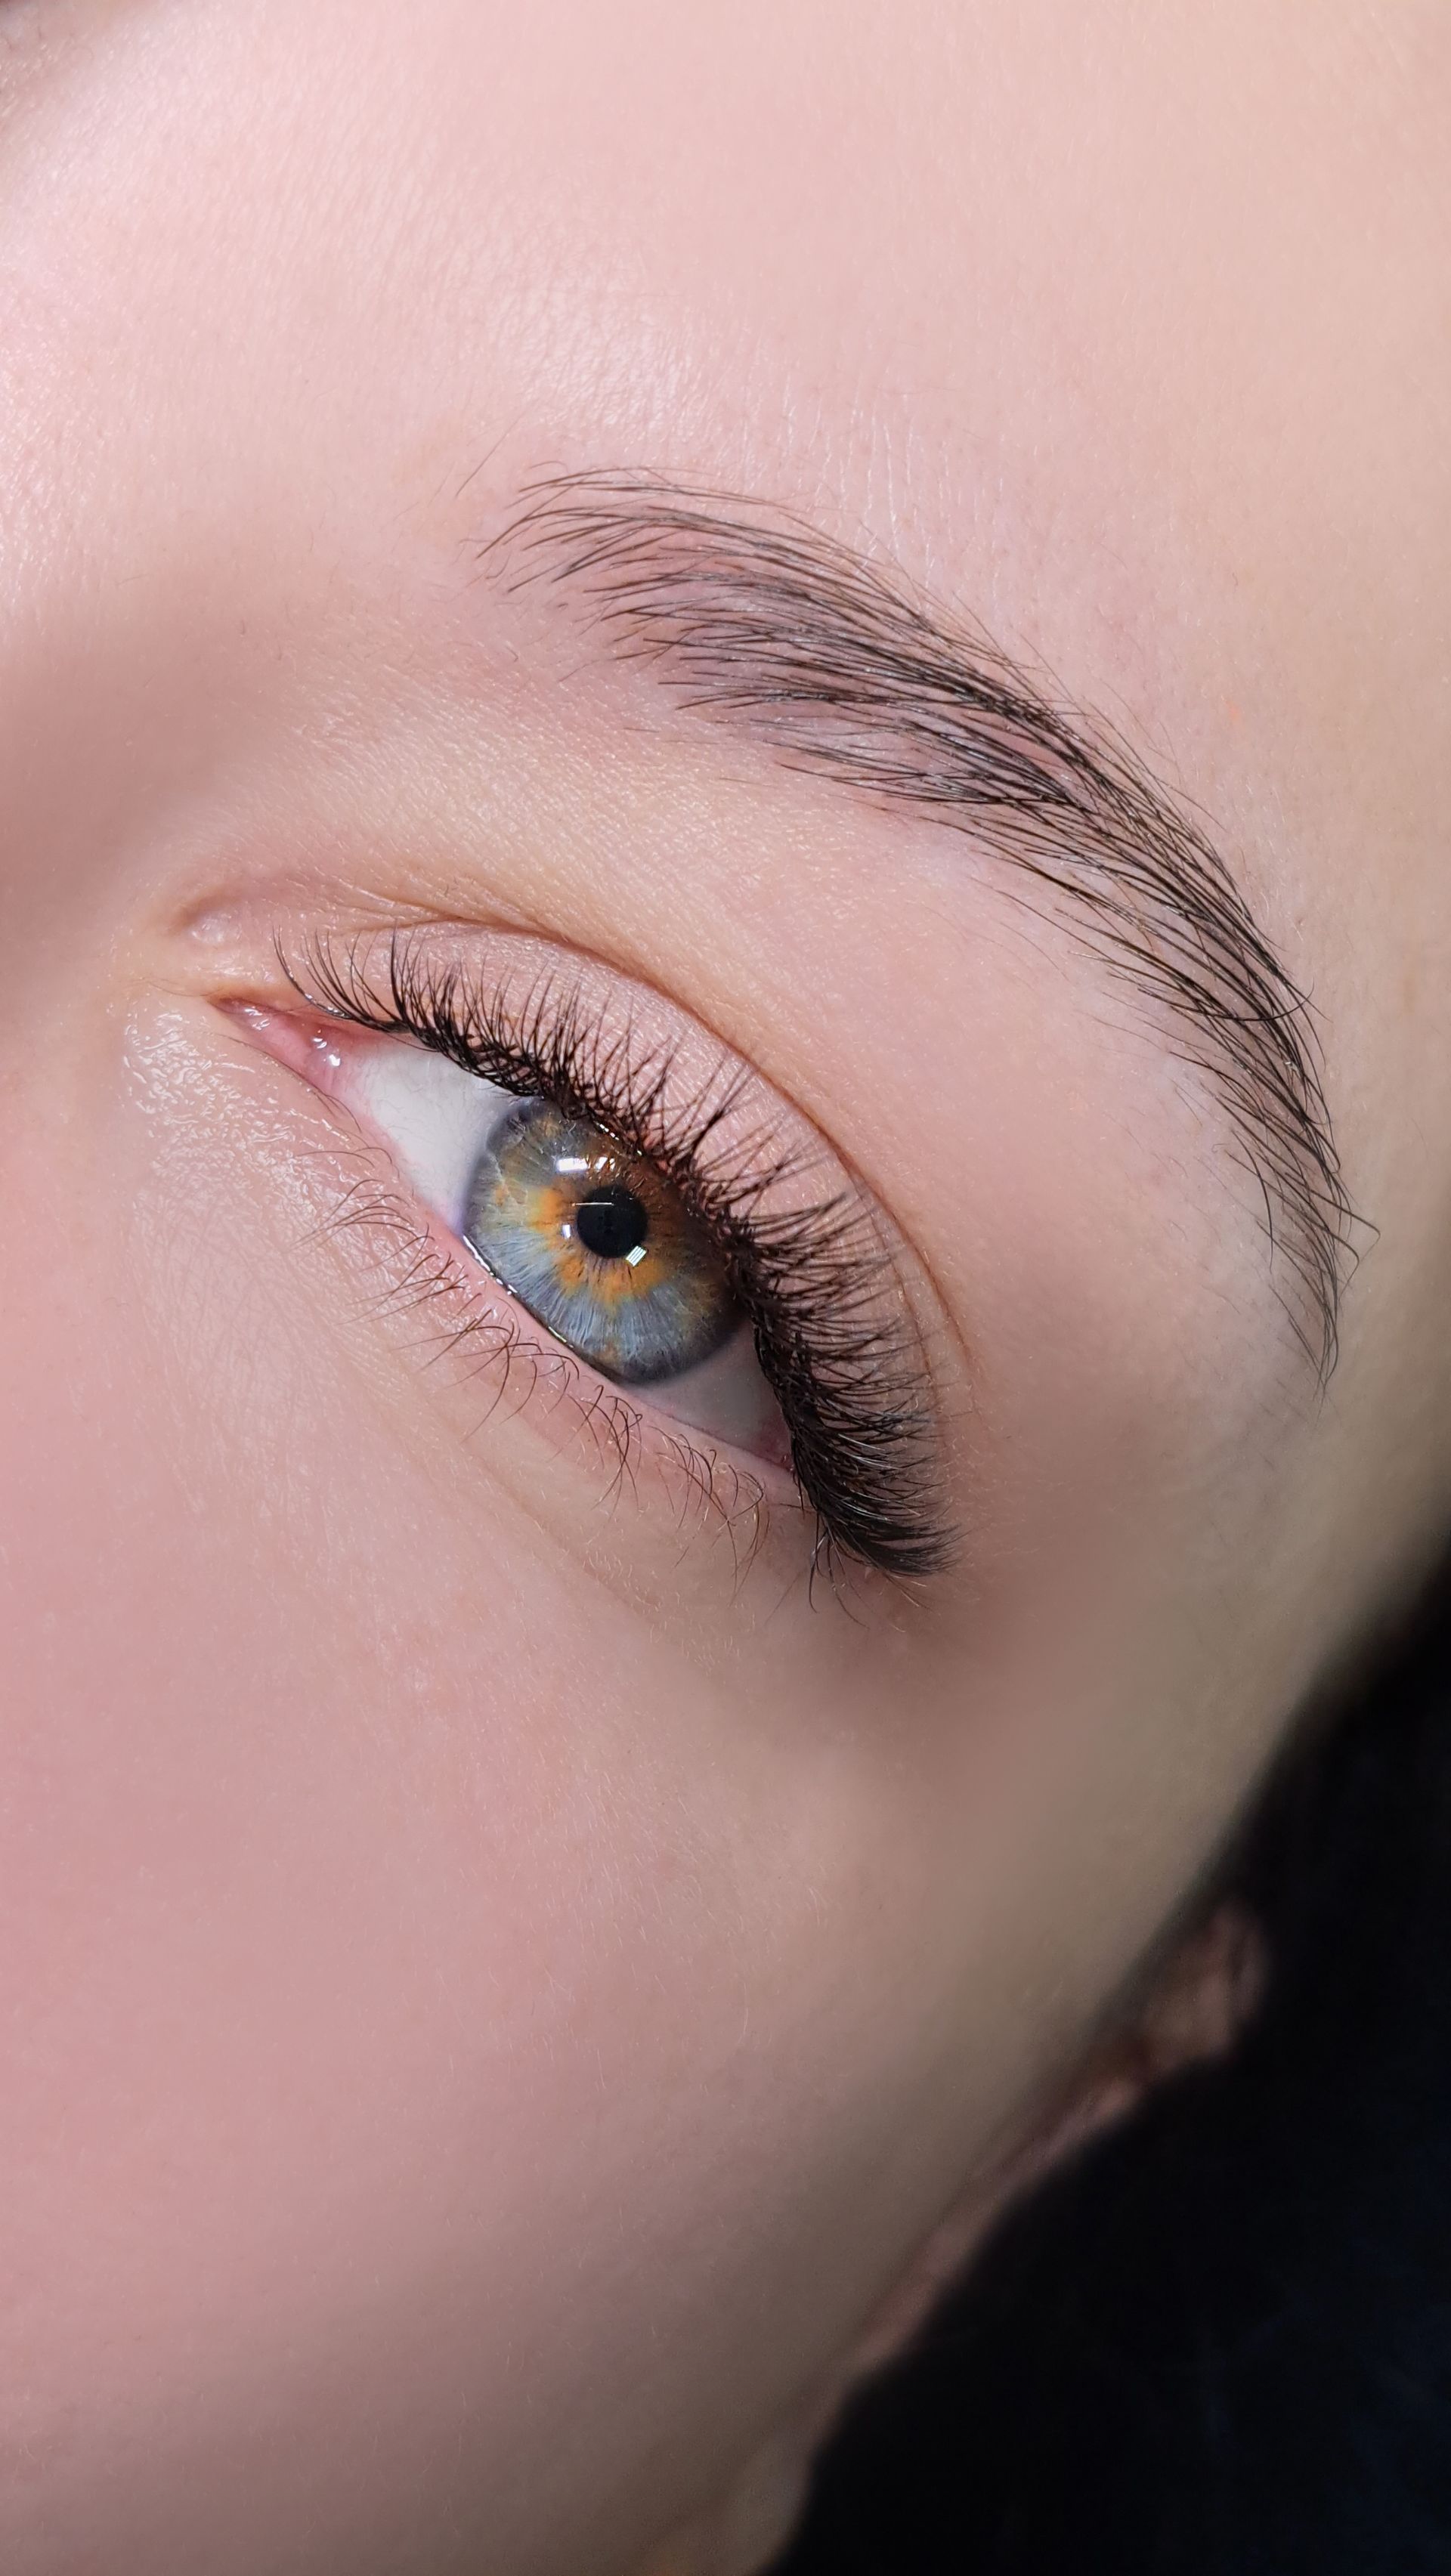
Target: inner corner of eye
{"points": [[589, 1238], [426, 1110]]}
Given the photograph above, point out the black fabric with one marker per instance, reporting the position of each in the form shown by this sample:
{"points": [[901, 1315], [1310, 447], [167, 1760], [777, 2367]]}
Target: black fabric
{"points": [[1220, 2344]]}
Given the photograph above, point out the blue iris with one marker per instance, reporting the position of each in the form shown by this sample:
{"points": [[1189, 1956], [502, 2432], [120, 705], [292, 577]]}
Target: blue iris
{"points": [[597, 1245]]}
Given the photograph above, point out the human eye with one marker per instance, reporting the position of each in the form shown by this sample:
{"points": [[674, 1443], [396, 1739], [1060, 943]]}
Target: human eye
{"points": [[646, 1211]]}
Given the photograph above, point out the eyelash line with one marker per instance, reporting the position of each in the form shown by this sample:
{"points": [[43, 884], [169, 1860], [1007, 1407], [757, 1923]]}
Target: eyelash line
{"points": [[733, 1499], [850, 1379]]}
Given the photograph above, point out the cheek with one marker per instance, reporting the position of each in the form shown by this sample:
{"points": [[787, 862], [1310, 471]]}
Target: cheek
{"points": [[475, 2045], [404, 2000]]}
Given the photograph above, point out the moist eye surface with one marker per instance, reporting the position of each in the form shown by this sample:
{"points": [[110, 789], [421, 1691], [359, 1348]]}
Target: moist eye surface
{"points": [[598, 1247], [660, 1211]]}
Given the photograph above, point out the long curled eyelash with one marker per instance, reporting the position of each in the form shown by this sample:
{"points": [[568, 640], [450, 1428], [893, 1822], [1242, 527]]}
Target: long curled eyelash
{"points": [[813, 1275]]}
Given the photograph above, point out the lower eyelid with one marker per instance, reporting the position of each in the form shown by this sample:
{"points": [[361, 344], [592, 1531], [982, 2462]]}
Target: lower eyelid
{"points": [[732, 1492], [835, 1337], [377, 1079], [429, 1111]]}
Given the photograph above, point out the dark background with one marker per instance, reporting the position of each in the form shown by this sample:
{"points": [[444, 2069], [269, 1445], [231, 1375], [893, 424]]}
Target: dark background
{"points": [[1220, 2343]]}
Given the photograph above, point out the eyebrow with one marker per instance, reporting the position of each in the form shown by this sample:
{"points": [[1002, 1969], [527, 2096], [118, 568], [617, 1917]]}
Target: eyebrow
{"points": [[840, 668]]}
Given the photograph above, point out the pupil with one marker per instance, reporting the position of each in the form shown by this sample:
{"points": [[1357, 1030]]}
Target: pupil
{"points": [[611, 1223]]}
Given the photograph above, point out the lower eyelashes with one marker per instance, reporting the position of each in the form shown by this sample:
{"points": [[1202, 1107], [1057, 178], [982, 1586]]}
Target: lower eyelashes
{"points": [[596, 1245], [659, 1213], [588, 1238]]}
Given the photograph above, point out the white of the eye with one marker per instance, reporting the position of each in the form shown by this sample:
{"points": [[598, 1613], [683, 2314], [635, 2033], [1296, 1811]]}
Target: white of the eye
{"points": [[436, 1116], [727, 1395], [437, 1119]]}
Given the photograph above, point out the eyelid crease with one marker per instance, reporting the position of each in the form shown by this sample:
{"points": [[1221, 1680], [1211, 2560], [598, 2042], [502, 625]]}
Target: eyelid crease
{"points": [[833, 1328], [752, 617]]}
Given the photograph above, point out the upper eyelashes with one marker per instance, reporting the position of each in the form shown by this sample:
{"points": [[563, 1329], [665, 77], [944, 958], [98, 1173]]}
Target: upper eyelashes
{"points": [[753, 1253], [587, 1236]]}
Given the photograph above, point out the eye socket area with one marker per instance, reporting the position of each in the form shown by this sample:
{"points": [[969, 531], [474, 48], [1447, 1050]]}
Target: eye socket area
{"points": [[590, 1239], [828, 1376]]}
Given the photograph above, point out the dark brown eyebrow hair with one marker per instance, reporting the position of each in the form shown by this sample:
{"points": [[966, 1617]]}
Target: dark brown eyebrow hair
{"points": [[755, 619]]}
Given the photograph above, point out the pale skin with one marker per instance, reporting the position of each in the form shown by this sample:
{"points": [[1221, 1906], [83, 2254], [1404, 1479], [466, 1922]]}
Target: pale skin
{"points": [[502, 1981]]}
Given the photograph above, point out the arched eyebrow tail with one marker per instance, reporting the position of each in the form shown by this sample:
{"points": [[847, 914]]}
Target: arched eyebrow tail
{"points": [[838, 667]]}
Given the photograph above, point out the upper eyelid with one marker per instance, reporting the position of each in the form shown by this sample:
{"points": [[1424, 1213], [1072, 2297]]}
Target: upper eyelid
{"points": [[749, 616], [869, 1448], [692, 1059], [431, 1271], [276, 974]]}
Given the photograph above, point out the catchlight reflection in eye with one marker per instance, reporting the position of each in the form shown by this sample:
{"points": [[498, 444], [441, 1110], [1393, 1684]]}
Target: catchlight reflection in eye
{"points": [[597, 1246], [591, 1239]]}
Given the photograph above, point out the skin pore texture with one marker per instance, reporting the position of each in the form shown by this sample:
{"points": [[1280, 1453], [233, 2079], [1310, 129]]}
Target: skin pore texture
{"points": [[509, 1965]]}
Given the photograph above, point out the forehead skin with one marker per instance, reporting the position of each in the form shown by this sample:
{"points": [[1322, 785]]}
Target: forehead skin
{"points": [[391, 1986], [1131, 415]]}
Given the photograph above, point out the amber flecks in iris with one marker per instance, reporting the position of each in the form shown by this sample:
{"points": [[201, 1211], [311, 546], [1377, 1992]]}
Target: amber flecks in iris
{"points": [[656, 1306]]}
